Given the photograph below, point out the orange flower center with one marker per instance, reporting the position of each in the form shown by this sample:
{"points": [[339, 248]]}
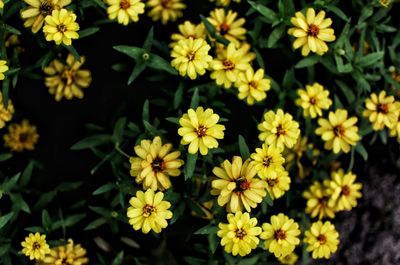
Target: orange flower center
{"points": [[338, 130], [272, 182], [46, 8], [346, 190], [23, 137], [165, 3], [62, 28], [125, 4], [252, 84], [241, 185], [240, 233], [280, 234], [148, 210], [313, 30], [280, 131], [201, 131], [224, 28], [321, 239], [191, 55], [313, 100], [158, 165], [382, 108], [228, 64], [267, 161], [68, 76], [36, 246]]}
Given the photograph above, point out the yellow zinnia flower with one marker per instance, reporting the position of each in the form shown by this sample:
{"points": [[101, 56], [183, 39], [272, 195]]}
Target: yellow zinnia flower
{"points": [[5, 114], [322, 239], [148, 211], [191, 57], [229, 63], [290, 259], [237, 186], [67, 79], [252, 86], [280, 235], [278, 182], [311, 31], [380, 111], [227, 26], [188, 30], [395, 130], [313, 100], [267, 159], [125, 11], [224, 2], [21, 137], [35, 246], [38, 10], [279, 129], [3, 69], [154, 164], [345, 191], [61, 27], [385, 3], [317, 197], [240, 235], [200, 130], [165, 10], [70, 253], [1, 4], [338, 132]]}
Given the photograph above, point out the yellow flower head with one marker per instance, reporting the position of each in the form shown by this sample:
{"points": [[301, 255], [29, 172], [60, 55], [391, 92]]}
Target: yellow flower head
{"points": [[200, 130], [125, 11], [395, 130], [345, 191], [281, 235], [165, 10], [290, 259], [385, 3], [5, 113], [267, 159], [1, 4], [278, 182], [317, 200], [338, 132], [66, 79], [21, 137], [381, 111], [229, 63], [253, 86], [3, 69], [311, 32], [240, 235], [37, 10], [279, 129], [227, 26], [191, 57], [61, 27], [148, 211], [154, 164], [322, 239], [224, 2], [70, 253], [35, 246], [313, 100], [188, 30], [237, 186]]}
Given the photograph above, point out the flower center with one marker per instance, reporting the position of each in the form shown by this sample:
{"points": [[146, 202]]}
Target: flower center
{"points": [[165, 3], [338, 130], [382, 108], [36, 246], [148, 210], [228, 64], [321, 239], [64, 261], [23, 137], [240, 233], [61, 28], [253, 85], [313, 30], [158, 165], [280, 131], [267, 161], [345, 190], [280, 234], [224, 28], [68, 76], [241, 185], [191, 55], [201, 131], [125, 4], [272, 182], [313, 100], [46, 8]]}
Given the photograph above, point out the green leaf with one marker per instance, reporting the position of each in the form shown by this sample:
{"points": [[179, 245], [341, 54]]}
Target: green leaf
{"points": [[174, 120], [362, 151], [46, 220], [73, 51], [276, 35], [195, 99], [178, 212], [208, 229], [118, 132], [268, 199], [118, 259], [158, 63], [88, 32], [137, 70], [5, 157], [104, 188], [209, 27], [244, 149], [19, 202], [10, 29], [92, 141], [337, 12], [178, 96], [5, 219], [74, 219], [96, 223], [308, 61], [213, 241], [194, 261], [135, 53], [10, 183], [148, 42], [370, 59], [268, 14], [146, 111], [190, 165], [151, 129], [26, 174], [346, 91], [249, 261]]}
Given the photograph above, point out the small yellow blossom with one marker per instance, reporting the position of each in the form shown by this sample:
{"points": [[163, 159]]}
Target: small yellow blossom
{"points": [[395, 130], [69, 254], [5, 113], [313, 100], [380, 111], [280, 235], [338, 132], [1, 4], [267, 159], [200, 130], [322, 239], [3, 69], [290, 259], [240, 235], [125, 11], [311, 32], [224, 2], [61, 27], [148, 211], [165, 10], [188, 30], [278, 182], [237, 186], [21, 137], [345, 191], [317, 197], [35, 246], [154, 164], [252, 86], [385, 3]]}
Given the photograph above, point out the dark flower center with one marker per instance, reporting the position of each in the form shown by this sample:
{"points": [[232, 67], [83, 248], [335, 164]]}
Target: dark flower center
{"points": [[148, 210], [382, 108], [191, 55], [224, 28], [338, 130], [280, 131], [36, 246], [228, 64], [68, 76], [46, 8], [346, 190], [240, 233], [272, 182], [267, 161], [62, 28], [313, 30], [241, 185], [321, 239], [313, 100], [280, 234], [125, 4], [165, 3], [201, 131], [158, 165], [23, 137], [252, 84]]}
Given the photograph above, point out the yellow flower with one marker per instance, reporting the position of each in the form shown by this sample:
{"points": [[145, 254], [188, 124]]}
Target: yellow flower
{"points": [[188, 30], [385, 3], [38, 10], [125, 11], [240, 235], [317, 200], [237, 186], [200, 130], [67, 79], [35, 246], [1, 4], [224, 2], [227, 25], [165, 10], [279, 129], [338, 132], [61, 27], [148, 211], [5, 114], [229, 63], [380, 111], [313, 100], [281, 235], [311, 31], [395, 130], [290, 259], [191, 57], [154, 164], [278, 182], [21, 137], [252, 86], [3, 69], [322, 239], [345, 191], [70, 253], [267, 159]]}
